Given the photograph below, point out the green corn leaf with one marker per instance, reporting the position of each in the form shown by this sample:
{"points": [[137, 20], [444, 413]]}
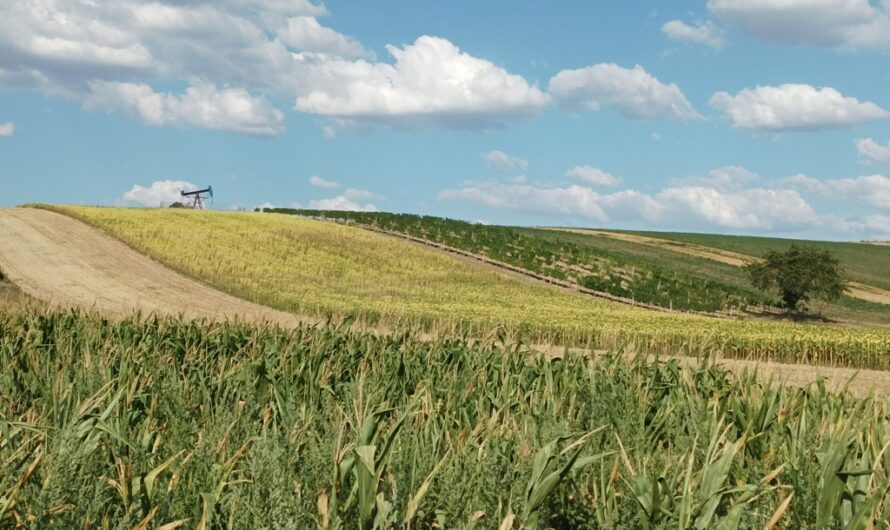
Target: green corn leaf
{"points": [[417, 498], [152, 475], [366, 480]]}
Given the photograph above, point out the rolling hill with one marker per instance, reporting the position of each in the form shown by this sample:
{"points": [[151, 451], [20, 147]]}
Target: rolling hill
{"points": [[687, 272], [315, 268]]}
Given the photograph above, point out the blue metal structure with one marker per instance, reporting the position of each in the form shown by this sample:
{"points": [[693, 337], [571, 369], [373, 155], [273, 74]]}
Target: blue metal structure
{"points": [[197, 197]]}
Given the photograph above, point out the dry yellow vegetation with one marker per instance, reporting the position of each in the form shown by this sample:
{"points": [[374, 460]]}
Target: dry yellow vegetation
{"points": [[318, 268]]}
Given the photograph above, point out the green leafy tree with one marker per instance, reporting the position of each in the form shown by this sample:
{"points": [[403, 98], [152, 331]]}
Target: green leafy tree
{"points": [[799, 273]]}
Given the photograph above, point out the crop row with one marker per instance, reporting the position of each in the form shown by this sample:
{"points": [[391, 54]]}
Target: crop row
{"points": [[585, 265], [159, 423], [318, 268]]}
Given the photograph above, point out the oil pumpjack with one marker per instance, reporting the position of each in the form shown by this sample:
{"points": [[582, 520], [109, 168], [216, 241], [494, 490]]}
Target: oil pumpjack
{"points": [[197, 197]]}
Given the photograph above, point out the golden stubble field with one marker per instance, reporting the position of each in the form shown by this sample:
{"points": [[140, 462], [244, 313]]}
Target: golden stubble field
{"points": [[316, 268]]}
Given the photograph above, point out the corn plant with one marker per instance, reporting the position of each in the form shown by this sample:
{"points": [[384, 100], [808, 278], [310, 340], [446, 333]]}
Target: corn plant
{"points": [[152, 422]]}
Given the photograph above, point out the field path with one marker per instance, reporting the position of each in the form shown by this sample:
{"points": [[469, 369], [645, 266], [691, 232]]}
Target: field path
{"points": [[67, 263], [858, 290], [859, 382]]}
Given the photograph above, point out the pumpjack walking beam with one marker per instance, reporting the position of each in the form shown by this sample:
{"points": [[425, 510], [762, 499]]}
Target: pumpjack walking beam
{"points": [[197, 197]]}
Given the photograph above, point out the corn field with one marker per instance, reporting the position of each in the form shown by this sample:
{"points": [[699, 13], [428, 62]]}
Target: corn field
{"points": [[322, 269], [158, 423]]}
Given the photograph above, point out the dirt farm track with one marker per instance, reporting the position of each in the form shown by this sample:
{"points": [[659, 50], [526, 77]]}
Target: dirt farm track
{"points": [[67, 263]]}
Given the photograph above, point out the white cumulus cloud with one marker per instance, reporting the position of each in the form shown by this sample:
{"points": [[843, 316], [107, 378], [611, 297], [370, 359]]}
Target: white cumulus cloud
{"points": [[202, 105], [830, 23], [752, 209], [7, 129], [56, 36], [319, 182], [729, 198], [501, 161], [726, 179], [554, 200], [352, 200], [283, 7], [159, 192], [632, 92], [701, 33], [305, 33], [594, 176], [871, 151], [432, 82], [341, 203], [573, 200], [677, 206], [794, 107], [868, 189], [755, 208], [85, 51], [876, 224]]}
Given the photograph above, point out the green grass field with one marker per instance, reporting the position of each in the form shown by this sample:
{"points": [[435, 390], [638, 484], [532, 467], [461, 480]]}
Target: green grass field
{"points": [[164, 424], [847, 309], [319, 268], [633, 270], [864, 262]]}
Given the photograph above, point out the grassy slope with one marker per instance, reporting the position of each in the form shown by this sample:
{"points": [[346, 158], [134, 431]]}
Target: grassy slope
{"points": [[658, 276], [695, 265], [874, 272], [315, 267], [866, 263], [618, 273]]}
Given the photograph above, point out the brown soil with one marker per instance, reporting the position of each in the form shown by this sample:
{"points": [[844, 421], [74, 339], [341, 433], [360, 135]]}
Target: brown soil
{"points": [[869, 293], [858, 382], [856, 290], [67, 263], [11, 297], [690, 249]]}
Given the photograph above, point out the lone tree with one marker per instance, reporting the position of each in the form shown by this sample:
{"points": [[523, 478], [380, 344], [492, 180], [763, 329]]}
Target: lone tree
{"points": [[799, 273]]}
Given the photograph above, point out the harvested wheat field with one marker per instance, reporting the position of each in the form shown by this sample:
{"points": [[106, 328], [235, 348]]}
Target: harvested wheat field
{"points": [[67, 263]]}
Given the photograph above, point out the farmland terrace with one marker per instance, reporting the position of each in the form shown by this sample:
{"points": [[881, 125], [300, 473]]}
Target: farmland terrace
{"points": [[152, 421], [316, 270], [687, 272]]}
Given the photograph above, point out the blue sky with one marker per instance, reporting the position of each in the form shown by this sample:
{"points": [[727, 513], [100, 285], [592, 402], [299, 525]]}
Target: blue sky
{"points": [[736, 116]]}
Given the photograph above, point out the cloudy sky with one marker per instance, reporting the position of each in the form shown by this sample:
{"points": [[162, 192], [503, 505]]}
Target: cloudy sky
{"points": [[735, 116]]}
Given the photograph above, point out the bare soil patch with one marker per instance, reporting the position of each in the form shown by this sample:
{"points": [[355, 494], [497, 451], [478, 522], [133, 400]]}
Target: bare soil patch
{"points": [[857, 382], [11, 297], [869, 293], [67, 263]]}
